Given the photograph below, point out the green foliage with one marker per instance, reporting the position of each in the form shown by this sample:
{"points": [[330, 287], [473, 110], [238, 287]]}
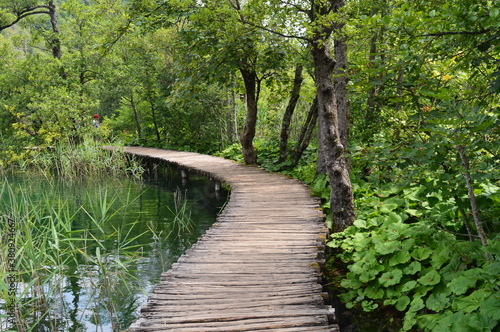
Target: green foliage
{"points": [[399, 255], [232, 152]]}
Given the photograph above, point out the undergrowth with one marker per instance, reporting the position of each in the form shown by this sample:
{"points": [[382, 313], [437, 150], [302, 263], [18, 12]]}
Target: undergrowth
{"points": [[409, 251]]}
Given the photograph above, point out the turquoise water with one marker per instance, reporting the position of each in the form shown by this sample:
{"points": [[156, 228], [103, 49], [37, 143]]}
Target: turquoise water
{"points": [[142, 222]]}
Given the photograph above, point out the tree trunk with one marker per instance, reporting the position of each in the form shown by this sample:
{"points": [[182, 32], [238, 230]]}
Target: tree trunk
{"points": [[287, 117], [306, 132], [155, 122], [341, 198], [472, 197], [343, 103], [252, 89], [136, 115], [232, 128], [55, 42]]}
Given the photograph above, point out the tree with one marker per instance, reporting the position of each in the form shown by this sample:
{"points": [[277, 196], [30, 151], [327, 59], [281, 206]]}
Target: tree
{"points": [[12, 12], [216, 45], [330, 141]]}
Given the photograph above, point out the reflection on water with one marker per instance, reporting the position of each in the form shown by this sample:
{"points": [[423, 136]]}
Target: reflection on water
{"points": [[136, 222]]}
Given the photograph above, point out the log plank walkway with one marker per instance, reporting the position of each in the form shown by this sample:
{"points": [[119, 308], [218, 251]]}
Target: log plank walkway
{"points": [[258, 268]]}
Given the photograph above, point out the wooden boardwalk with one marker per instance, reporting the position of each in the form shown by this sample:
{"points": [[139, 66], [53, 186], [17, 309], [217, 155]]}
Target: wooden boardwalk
{"points": [[256, 269]]}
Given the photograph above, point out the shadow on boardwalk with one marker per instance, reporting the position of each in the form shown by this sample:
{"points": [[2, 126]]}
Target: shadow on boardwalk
{"points": [[258, 268]]}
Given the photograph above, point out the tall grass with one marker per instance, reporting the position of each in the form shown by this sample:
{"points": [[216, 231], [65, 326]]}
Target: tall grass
{"points": [[182, 222], [51, 250], [84, 160]]}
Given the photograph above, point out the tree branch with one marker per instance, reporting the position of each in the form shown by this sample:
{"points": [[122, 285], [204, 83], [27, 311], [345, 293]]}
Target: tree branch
{"points": [[235, 5], [297, 7], [24, 14], [241, 20]]}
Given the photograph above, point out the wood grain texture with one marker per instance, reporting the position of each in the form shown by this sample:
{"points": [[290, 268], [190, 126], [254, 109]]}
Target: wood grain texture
{"points": [[258, 268]]}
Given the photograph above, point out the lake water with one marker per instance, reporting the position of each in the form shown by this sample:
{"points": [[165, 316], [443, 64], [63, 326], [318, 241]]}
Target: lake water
{"points": [[136, 222]]}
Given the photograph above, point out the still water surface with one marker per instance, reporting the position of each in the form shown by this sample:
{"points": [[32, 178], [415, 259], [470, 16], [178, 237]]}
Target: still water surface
{"points": [[142, 212]]}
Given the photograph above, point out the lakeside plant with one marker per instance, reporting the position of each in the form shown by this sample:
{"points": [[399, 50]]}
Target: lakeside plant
{"points": [[182, 222], [84, 160], [56, 243]]}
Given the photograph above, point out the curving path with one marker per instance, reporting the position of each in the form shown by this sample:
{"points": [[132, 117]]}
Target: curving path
{"points": [[258, 268]]}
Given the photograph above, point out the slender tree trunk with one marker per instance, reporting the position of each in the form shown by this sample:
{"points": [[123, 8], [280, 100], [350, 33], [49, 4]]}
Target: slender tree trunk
{"points": [[466, 222], [341, 198], [136, 115], [472, 197], [287, 117], [252, 89], [155, 122], [232, 128], [306, 132]]}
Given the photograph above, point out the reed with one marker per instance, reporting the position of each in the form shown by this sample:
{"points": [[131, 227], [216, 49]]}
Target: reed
{"points": [[84, 160], [50, 250], [182, 223]]}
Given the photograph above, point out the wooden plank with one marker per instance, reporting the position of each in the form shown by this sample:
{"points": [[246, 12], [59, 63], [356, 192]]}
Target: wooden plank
{"points": [[258, 268]]}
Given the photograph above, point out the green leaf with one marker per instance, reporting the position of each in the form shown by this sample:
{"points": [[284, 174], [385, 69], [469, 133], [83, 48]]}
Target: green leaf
{"points": [[390, 278], [360, 223], [351, 281], [402, 303], [374, 292], [390, 301], [361, 241], [449, 322], [396, 228], [388, 207], [494, 12], [407, 286], [409, 321], [478, 322], [461, 284], [490, 307], [437, 302], [98, 253], [422, 291], [369, 306], [416, 304], [399, 258], [370, 273], [472, 302], [413, 268], [385, 248], [439, 258], [430, 278], [421, 253]]}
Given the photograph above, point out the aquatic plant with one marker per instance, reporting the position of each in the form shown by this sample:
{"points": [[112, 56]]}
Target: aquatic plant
{"points": [[182, 222], [46, 243]]}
